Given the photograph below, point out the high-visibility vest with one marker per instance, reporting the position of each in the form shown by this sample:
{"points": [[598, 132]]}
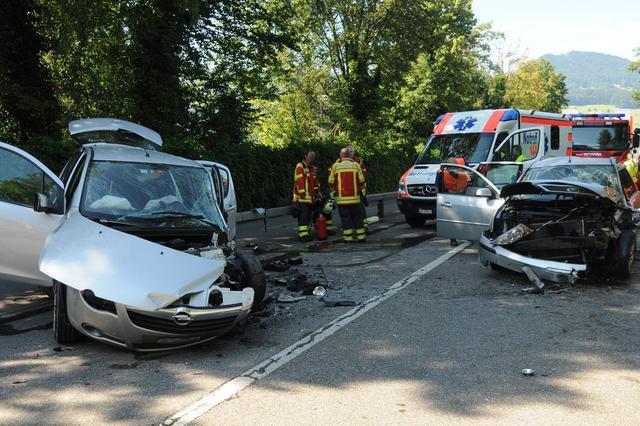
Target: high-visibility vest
{"points": [[457, 183], [304, 185], [348, 181]]}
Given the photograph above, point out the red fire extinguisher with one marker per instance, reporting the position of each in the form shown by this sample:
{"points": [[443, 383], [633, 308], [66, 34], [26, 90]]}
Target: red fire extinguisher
{"points": [[321, 228]]}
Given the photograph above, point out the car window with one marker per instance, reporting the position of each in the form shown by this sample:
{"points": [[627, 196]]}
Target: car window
{"points": [[224, 175], [598, 174], [627, 183], [500, 174], [520, 147], [20, 180]]}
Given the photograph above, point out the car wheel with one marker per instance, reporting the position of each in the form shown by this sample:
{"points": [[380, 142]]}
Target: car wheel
{"points": [[63, 331], [253, 277], [625, 250], [415, 221]]}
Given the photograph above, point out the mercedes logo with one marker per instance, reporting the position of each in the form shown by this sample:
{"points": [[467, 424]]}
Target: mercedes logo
{"points": [[182, 318]]}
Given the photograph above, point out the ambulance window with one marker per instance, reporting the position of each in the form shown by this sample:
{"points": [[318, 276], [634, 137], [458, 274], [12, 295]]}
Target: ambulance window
{"points": [[501, 136], [555, 137]]}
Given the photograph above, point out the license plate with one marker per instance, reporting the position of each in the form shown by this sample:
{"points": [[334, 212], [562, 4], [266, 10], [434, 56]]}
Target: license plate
{"points": [[423, 211]]}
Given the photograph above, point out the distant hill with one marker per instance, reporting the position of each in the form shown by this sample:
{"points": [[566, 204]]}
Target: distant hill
{"points": [[596, 78]]}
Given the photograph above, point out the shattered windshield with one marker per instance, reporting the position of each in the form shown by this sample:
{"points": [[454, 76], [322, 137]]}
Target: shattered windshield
{"points": [[610, 138], [473, 147], [150, 195], [604, 175]]}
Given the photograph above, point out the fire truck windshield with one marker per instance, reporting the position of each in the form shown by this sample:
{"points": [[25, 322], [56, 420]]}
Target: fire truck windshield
{"points": [[473, 147], [601, 138]]}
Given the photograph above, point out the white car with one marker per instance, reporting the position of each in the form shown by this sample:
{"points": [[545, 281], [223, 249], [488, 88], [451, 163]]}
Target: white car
{"points": [[133, 241]]}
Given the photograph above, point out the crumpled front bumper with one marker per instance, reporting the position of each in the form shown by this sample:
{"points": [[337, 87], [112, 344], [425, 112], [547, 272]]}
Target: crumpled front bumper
{"points": [[156, 330], [544, 269]]}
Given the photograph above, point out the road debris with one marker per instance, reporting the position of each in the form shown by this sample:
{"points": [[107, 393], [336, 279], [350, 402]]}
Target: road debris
{"points": [[528, 372], [534, 279], [62, 349], [295, 261], [285, 298], [18, 382], [128, 366], [276, 266], [334, 303], [319, 291], [280, 282]]}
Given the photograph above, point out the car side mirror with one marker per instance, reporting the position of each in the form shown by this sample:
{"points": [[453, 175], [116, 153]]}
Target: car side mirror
{"points": [[635, 141], [484, 192], [41, 203]]}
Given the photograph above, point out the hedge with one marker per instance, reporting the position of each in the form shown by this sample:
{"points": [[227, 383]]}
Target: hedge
{"points": [[263, 175]]}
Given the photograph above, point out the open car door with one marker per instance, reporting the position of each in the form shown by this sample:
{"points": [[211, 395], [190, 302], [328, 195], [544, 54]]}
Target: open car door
{"points": [[225, 193], [524, 146], [23, 230], [468, 199]]}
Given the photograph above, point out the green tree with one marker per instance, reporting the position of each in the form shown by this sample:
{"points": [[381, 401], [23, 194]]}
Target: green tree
{"points": [[536, 85], [28, 105], [635, 67]]}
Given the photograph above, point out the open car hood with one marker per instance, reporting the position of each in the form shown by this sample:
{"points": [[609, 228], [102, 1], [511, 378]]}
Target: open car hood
{"points": [[123, 268], [561, 187], [91, 130]]}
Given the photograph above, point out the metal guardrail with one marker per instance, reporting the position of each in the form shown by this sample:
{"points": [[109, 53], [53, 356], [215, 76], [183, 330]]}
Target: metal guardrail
{"points": [[260, 214]]}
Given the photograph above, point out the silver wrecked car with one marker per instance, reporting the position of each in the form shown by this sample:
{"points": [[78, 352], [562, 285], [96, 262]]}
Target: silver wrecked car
{"points": [[563, 217], [133, 241]]}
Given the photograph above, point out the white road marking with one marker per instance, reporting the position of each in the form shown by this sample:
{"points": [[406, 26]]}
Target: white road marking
{"points": [[262, 370]]}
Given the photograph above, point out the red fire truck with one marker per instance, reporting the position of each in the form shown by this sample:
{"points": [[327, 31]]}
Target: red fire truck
{"points": [[602, 135]]}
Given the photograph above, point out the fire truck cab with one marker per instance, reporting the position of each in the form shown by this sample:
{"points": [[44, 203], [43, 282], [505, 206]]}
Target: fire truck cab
{"points": [[602, 135], [502, 135]]}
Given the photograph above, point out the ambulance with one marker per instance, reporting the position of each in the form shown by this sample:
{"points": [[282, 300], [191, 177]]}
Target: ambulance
{"points": [[485, 136]]}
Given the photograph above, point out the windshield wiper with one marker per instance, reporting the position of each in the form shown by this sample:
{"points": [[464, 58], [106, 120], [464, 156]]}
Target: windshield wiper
{"points": [[182, 215]]}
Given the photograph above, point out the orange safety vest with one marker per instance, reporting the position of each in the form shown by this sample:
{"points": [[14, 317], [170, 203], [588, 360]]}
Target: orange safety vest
{"points": [[456, 183], [304, 184], [348, 181]]}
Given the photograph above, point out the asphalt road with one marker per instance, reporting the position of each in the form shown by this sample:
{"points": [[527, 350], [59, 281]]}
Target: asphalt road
{"points": [[444, 345]]}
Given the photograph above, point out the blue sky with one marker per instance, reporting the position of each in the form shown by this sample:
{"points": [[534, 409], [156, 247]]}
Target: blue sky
{"points": [[559, 26]]}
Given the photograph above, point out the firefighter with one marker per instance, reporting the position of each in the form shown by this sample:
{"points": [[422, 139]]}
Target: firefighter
{"points": [[305, 191], [348, 184], [363, 202]]}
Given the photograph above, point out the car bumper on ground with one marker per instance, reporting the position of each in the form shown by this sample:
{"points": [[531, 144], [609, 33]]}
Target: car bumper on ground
{"points": [[145, 330], [544, 269], [413, 206]]}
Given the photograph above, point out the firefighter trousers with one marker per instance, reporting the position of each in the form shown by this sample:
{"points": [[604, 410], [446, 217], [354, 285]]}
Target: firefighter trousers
{"points": [[352, 222], [305, 212]]}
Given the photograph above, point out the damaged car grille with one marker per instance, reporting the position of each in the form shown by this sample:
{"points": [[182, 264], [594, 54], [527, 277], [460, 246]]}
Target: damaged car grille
{"points": [[200, 327]]}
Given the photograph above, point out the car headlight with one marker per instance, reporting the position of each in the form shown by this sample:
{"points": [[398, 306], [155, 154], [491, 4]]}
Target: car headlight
{"points": [[514, 234], [402, 188]]}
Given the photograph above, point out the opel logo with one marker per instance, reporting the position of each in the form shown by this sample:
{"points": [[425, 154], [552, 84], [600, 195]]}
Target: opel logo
{"points": [[428, 189], [182, 318]]}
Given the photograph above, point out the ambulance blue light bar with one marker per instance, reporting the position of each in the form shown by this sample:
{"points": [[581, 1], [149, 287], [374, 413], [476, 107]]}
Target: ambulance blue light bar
{"points": [[439, 119], [596, 115], [510, 114]]}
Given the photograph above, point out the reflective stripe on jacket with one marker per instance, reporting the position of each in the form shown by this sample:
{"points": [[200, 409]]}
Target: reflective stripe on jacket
{"points": [[348, 181], [303, 184]]}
